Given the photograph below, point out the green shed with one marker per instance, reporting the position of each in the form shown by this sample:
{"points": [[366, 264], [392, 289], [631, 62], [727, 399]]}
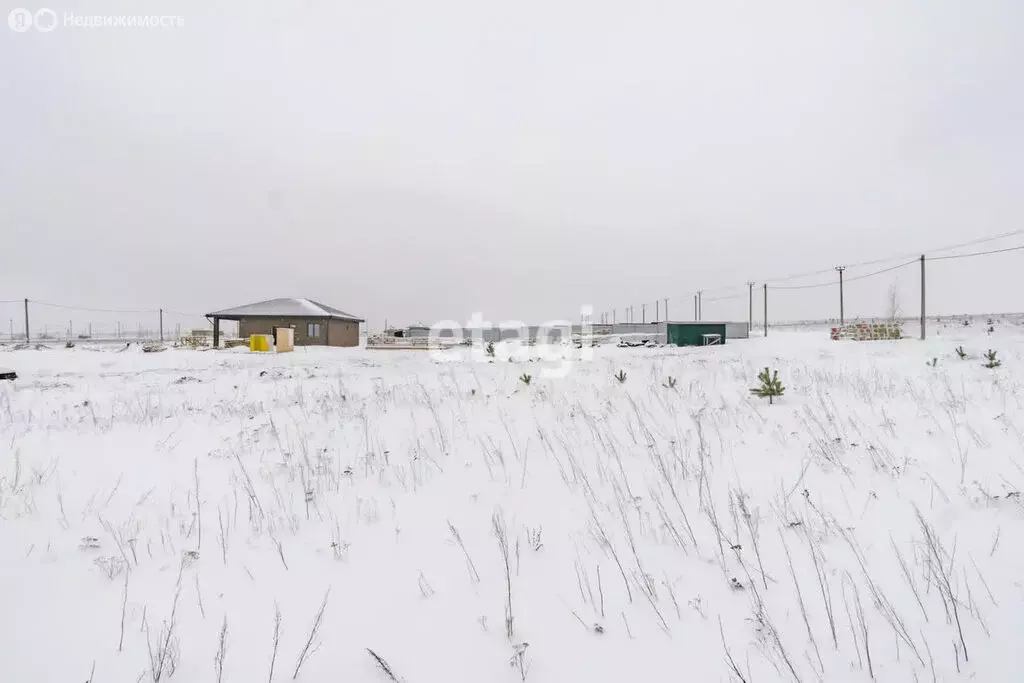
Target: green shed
{"points": [[695, 334]]}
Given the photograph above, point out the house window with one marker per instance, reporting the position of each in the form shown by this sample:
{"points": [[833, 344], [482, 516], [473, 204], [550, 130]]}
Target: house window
{"points": [[313, 330]]}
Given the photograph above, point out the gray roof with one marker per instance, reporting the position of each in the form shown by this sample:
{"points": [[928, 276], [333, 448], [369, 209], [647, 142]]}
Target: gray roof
{"points": [[284, 308]]}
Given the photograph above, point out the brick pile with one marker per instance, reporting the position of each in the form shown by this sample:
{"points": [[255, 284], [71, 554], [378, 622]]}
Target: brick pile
{"points": [[868, 331]]}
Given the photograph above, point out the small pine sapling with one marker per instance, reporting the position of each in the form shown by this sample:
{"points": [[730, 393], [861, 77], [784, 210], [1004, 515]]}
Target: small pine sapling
{"points": [[525, 379], [770, 385], [960, 353], [991, 361], [621, 376]]}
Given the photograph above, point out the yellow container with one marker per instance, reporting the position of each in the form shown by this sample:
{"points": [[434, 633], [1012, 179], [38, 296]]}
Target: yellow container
{"points": [[259, 342]]}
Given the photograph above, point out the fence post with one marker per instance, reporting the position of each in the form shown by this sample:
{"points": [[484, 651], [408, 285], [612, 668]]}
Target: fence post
{"points": [[842, 316], [750, 312], [161, 325], [766, 309], [26, 322], [922, 298]]}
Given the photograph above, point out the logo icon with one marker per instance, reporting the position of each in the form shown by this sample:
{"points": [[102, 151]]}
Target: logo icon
{"points": [[20, 19], [45, 20]]}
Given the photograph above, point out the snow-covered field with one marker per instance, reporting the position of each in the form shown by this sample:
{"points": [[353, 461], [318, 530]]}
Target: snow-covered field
{"points": [[465, 526]]}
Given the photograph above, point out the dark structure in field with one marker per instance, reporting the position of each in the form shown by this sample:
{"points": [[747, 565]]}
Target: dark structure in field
{"points": [[314, 323], [698, 333]]}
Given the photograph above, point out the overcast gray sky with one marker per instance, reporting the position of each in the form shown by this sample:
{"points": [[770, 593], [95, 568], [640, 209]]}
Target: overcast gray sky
{"points": [[425, 160]]}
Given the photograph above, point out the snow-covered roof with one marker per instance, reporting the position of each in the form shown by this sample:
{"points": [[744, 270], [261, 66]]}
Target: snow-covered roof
{"points": [[285, 308]]}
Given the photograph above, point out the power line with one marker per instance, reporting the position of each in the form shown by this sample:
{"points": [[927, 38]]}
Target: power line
{"points": [[90, 310], [871, 262], [187, 315], [977, 253], [981, 240], [814, 286], [849, 279], [723, 298], [884, 270], [900, 257], [798, 276]]}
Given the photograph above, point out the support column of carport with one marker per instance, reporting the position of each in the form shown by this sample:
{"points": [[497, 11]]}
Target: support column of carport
{"points": [[216, 333]]}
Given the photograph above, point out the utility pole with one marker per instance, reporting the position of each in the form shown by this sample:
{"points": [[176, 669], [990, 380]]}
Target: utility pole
{"points": [[615, 313], [700, 304], [90, 330], [26, 321], [643, 313], [161, 325], [657, 311], [922, 297], [840, 269], [666, 309], [750, 314], [766, 309], [695, 318]]}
